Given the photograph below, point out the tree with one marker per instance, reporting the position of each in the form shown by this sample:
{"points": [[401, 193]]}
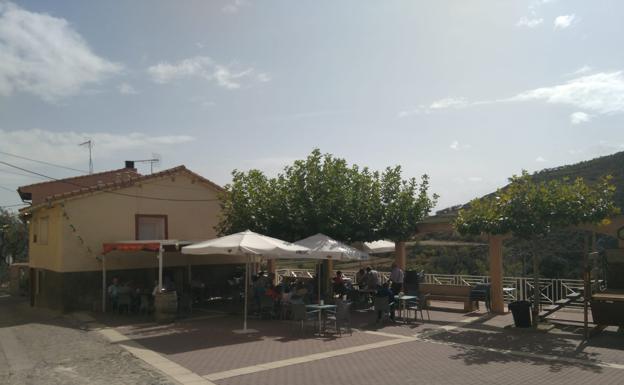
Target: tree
{"points": [[323, 194], [13, 239], [404, 204], [531, 210]]}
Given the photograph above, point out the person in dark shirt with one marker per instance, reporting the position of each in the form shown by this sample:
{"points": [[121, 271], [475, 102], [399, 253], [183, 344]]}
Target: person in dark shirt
{"points": [[385, 291]]}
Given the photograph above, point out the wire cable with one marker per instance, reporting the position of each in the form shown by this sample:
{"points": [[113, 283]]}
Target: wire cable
{"points": [[8, 189], [43, 162], [107, 191], [18, 174]]}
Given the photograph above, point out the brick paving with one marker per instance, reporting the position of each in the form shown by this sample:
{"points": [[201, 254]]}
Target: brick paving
{"points": [[451, 348], [426, 363]]}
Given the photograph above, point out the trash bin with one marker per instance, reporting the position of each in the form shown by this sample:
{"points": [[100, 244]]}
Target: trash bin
{"points": [[521, 311]]}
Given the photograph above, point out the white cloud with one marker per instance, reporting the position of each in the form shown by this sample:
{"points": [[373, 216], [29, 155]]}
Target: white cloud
{"points": [[42, 55], [529, 23], [540, 159], [456, 146], [441, 104], [228, 77], [564, 21], [584, 70], [602, 93], [127, 89], [579, 117], [233, 6], [475, 179], [62, 147], [165, 72]]}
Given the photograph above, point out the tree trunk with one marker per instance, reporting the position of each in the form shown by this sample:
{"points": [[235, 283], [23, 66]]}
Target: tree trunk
{"points": [[399, 254]]}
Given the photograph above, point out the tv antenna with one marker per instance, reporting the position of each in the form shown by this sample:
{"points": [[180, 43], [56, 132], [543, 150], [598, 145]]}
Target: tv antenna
{"points": [[89, 143], [154, 161]]}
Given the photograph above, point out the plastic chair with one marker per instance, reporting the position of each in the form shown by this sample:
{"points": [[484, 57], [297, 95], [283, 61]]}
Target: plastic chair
{"points": [[383, 305], [341, 317], [124, 301], [418, 306], [267, 307], [302, 316]]}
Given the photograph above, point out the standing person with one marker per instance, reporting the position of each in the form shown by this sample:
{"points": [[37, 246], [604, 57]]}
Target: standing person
{"points": [[113, 292], [360, 278], [396, 276], [372, 279]]}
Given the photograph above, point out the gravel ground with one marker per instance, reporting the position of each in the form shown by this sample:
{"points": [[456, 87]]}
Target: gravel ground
{"points": [[41, 347]]}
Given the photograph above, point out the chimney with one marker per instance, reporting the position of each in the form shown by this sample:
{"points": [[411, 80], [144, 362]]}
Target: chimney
{"points": [[129, 164]]}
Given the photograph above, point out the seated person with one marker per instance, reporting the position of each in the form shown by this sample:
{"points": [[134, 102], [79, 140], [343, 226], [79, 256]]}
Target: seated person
{"points": [[272, 292], [385, 291], [339, 284], [296, 299]]}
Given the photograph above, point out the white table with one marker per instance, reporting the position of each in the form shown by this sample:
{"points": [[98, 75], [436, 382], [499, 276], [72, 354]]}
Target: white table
{"points": [[403, 304], [321, 309]]}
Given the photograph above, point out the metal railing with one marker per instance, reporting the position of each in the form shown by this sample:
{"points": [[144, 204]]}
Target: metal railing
{"points": [[514, 288]]}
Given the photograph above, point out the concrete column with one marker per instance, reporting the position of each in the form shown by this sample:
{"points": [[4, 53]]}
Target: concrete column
{"points": [[399, 254], [496, 274]]}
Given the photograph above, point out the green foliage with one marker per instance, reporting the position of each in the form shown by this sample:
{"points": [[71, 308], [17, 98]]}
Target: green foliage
{"points": [[13, 239], [323, 194], [470, 260], [528, 209], [404, 202]]}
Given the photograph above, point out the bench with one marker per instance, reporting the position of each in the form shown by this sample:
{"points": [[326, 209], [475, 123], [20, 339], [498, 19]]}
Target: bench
{"points": [[453, 293]]}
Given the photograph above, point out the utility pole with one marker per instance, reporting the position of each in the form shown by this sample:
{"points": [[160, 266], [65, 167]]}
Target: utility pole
{"points": [[89, 143]]}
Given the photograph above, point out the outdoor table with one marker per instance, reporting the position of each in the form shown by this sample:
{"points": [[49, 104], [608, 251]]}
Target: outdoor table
{"points": [[403, 304], [321, 309]]}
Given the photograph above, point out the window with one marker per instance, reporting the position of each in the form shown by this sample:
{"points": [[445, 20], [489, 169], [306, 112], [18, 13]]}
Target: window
{"points": [[42, 236], [150, 227]]}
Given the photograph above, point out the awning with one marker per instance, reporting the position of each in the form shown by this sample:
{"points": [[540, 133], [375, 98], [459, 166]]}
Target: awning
{"points": [[148, 245]]}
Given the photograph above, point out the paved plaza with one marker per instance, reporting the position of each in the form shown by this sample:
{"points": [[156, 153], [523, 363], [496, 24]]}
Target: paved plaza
{"points": [[450, 348]]}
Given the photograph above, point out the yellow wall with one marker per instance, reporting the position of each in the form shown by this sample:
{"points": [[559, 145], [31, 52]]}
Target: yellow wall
{"points": [[46, 256], [108, 217]]}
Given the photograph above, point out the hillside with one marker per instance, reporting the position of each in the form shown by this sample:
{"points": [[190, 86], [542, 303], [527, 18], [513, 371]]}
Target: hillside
{"points": [[590, 170]]}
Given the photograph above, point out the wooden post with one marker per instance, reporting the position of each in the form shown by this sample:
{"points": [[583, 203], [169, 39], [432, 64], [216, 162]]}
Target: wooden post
{"points": [[399, 254], [160, 269], [586, 287], [496, 274], [329, 274], [103, 283], [272, 267]]}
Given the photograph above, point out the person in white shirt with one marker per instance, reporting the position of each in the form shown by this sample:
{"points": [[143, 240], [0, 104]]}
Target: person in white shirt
{"points": [[396, 276]]}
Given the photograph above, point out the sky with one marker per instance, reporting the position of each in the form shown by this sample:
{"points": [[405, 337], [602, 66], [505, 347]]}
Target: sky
{"points": [[469, 93]]}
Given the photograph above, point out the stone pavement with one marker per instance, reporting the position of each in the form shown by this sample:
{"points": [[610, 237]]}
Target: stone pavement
{"points": [[451, 348], [42, 347]]}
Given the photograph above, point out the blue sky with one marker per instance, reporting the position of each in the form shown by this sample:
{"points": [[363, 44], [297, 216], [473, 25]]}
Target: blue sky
{"points": [[467, 92]]}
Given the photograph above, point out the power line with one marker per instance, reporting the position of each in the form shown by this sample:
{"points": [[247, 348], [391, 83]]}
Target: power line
{"points": [[107, 191], [43, 162], [8, 189], [17, 173]]}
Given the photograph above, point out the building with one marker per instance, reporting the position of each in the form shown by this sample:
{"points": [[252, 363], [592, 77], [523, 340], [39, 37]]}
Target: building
{"points": [[71, 219]]}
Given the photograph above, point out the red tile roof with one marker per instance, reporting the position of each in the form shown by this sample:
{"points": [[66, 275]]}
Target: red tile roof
{"points": [[73, 188], [38, 192]]}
